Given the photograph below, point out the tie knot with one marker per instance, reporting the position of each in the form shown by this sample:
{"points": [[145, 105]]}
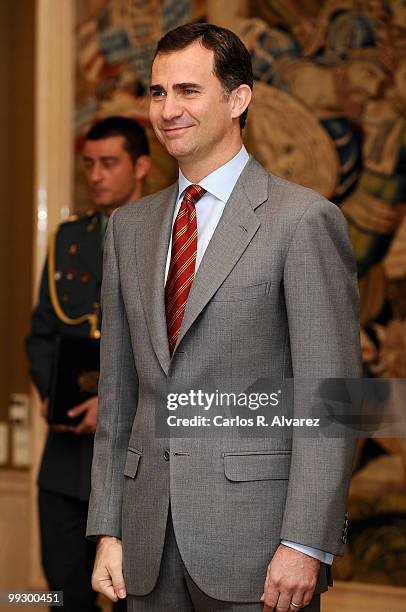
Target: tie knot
{"points": [[193, 193]]}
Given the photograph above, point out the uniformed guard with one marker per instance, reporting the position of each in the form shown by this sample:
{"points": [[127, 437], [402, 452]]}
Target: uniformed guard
{"points": [[116, 160]]}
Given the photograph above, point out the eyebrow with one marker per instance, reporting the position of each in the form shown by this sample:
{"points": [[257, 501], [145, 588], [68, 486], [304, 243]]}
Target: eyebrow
{"points": [[103, 157], [176, 87]]}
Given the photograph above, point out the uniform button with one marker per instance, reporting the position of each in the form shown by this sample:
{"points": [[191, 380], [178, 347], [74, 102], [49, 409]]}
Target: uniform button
{"points": [[166, 455]]}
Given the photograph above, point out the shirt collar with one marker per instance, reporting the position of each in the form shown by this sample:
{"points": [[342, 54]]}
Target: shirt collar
{"points": [[221, 182]]}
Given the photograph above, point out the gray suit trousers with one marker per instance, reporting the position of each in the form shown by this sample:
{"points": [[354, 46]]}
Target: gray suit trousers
{"points": [[175, 591]]}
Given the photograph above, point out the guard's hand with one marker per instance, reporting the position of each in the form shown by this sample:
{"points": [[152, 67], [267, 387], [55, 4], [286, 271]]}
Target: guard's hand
{"points": [[88, 424], [107, 577], [291, 578]]}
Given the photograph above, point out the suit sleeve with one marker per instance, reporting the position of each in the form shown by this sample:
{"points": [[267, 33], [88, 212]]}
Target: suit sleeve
{"points": [[321, 293], [118, 393], [40, 341]]}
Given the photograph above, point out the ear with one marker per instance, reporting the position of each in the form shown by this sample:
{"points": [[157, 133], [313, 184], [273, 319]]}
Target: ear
{"points": [[142, 166], [241, 97]]}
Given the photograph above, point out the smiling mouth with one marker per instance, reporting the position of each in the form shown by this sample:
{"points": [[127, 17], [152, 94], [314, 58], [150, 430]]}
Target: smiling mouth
{"points": [[177, 128]]}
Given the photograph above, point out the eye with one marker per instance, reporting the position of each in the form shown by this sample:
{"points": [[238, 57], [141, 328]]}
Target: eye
{"points": [[109, 163], [157, 93], [190, 91]]}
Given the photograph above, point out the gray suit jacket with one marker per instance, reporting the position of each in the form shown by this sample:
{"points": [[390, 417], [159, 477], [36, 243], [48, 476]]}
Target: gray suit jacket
{"points": [[275, 295]]}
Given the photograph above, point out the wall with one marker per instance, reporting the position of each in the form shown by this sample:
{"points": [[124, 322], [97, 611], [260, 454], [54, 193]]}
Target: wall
{"points": [[17, 24]]}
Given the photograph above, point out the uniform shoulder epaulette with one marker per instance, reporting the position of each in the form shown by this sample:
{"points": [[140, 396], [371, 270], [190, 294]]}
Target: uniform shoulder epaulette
{"points": [[82, 215]]}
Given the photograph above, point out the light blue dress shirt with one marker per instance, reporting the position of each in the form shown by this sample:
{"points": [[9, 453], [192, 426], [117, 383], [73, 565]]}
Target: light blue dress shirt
{"points": [[219, 185]]}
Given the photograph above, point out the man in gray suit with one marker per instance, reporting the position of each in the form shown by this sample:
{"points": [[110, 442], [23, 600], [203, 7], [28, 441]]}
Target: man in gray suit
{"points": [[231, 274]]}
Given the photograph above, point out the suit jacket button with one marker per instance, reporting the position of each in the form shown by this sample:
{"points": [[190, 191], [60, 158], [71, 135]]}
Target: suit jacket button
{"points": [[166, 455]]}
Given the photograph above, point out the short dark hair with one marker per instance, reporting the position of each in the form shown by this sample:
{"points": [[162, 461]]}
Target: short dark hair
{"points": [[232, 61], [135, 139]]}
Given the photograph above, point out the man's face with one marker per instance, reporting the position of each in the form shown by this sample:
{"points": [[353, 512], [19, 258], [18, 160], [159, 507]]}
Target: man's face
{"points": [[110, 172], [189, 111]]}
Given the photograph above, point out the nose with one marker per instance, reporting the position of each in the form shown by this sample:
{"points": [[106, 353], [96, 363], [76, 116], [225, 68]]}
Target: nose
{"points": [[94, 173], [171, 108]]}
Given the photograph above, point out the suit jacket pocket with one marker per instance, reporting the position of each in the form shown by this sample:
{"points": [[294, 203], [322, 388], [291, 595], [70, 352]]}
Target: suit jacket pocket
{"points": [[235, 294], [246, 466], [131, 463]]}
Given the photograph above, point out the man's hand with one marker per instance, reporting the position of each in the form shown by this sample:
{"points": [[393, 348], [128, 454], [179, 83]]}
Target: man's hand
{"points": [[88, 424], [290, 579], [107, 577]]}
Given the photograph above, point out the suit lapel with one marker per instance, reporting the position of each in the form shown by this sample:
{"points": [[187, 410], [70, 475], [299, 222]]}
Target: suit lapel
{"points": [[151, 252], [235, 230]]}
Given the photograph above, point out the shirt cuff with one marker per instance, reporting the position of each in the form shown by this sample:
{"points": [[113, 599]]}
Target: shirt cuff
{"points": [[321, 555]]}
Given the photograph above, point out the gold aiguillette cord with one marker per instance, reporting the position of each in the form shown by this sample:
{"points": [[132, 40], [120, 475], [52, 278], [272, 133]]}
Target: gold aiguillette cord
{"points": [[92, 317]]}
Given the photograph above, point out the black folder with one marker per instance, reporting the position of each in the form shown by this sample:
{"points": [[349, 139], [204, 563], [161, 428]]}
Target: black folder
{"points": [[74, 378]]}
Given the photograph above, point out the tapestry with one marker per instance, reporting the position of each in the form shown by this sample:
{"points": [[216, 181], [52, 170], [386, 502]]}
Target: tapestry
{"points": [[115, 42]]}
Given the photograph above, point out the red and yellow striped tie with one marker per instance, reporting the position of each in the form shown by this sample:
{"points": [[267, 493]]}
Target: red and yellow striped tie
{"points": [[183, 261]]}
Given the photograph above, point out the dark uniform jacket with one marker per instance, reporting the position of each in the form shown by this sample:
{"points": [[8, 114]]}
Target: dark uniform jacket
{"points": [[67, 458]]}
